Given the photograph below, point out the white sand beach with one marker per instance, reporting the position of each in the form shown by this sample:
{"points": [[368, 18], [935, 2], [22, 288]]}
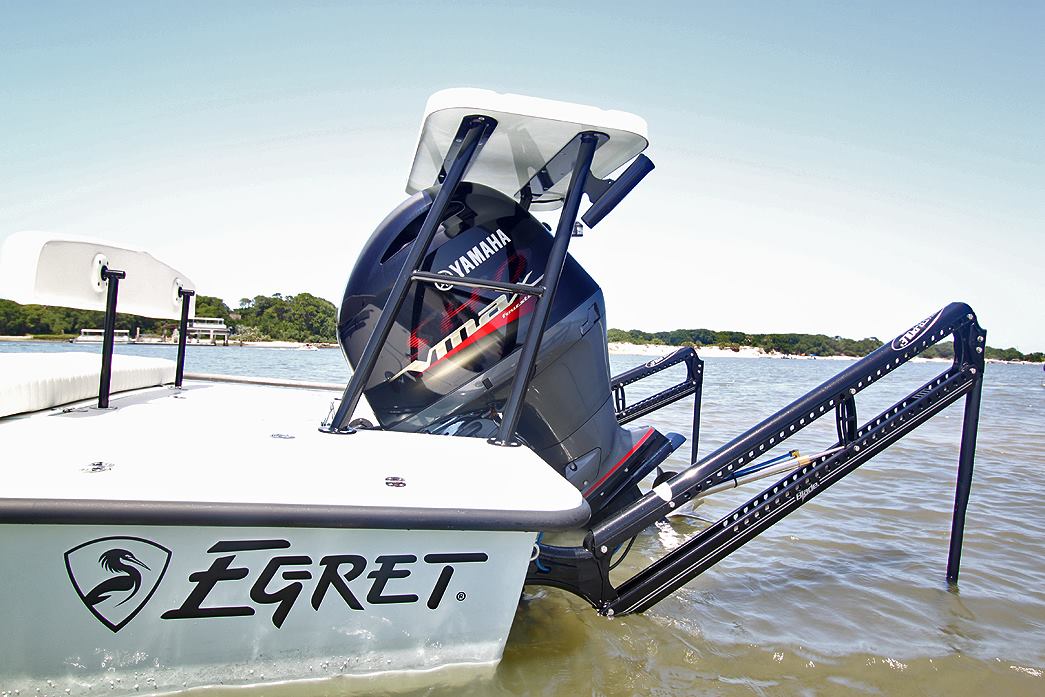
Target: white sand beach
{"points": [[619, 348]]}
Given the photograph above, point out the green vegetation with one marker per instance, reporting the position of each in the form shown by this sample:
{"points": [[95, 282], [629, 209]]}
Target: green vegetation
{"points": [[53, 337], [44, 320], [301, 317], [1011, 354], [794, 344], [305, 317]]}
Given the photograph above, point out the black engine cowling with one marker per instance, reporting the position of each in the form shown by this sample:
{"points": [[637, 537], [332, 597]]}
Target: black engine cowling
{"points": [[448, 362]]}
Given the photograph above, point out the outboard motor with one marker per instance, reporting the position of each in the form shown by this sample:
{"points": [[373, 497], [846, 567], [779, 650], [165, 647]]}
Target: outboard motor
{"points": [[448, 363]]}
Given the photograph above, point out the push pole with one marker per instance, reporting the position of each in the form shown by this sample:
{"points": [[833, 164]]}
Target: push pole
{"points": [[112, 279], [183, 329], [552, 270]]}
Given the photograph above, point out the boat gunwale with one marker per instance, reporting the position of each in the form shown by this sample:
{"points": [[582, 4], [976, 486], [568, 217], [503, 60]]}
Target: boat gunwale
{"points": [[228, 514]]}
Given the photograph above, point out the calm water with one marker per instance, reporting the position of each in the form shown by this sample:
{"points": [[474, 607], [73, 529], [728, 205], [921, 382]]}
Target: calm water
{"points": [[846, 596]]}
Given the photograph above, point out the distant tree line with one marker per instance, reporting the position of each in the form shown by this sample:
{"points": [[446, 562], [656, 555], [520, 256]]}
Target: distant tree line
{"points": [[305, 317], [794, 344], [301, 317]]}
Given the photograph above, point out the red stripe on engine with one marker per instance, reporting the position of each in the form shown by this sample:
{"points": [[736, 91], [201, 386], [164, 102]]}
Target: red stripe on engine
{"points": [[503, 319], [613, 469]]}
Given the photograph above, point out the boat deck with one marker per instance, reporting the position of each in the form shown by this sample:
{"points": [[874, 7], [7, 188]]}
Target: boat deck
{"points": [[242, 455]]}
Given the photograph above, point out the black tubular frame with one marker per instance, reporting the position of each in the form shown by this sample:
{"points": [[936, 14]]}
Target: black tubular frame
{"points": [[471, 136], [584, 570], [692, 384], [183, 330], [518, 288], [112, 280], [589, 141], [473, 133]]}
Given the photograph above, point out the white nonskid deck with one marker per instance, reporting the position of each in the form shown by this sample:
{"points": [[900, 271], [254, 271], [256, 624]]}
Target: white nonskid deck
{"points": [[215, 443]]}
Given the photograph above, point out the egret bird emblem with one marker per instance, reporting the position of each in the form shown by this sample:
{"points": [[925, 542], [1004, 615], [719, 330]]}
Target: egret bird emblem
{"points": [[127, 578], [116, 576]]}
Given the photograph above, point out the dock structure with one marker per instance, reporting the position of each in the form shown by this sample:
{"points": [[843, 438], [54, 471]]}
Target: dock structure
{"points": [[209, 327], [95, 336]]}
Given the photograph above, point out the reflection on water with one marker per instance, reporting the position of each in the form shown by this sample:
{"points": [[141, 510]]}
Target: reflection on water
{"points": [[846, 596]]}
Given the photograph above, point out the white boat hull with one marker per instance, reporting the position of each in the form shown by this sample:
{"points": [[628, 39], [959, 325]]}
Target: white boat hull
{"points": [[235, 606]]}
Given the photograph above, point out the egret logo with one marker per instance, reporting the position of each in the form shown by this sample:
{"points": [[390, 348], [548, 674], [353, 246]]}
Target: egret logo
{"points": [[116, 576]]}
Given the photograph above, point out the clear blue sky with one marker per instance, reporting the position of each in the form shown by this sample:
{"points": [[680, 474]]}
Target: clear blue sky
{"points": [[822, 167]]}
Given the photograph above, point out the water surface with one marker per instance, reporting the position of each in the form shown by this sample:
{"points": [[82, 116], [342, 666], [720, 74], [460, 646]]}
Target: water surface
{"points": [[846, 596]]}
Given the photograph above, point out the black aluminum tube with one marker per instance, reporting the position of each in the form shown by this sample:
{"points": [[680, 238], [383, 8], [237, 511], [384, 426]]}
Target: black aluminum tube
{"points": [[749, 520], [474, 136], [183, 330], [521, 288], [964, 484], [698, 397], [112, 279], [616, 191], [776, 428], [552, 270]]}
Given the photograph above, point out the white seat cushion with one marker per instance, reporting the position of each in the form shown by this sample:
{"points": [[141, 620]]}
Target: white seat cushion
{"points": [[34, 381]]}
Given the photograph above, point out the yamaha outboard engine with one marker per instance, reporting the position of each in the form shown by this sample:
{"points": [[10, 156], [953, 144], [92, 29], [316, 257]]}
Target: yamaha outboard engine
{"points": [[448, 363]]}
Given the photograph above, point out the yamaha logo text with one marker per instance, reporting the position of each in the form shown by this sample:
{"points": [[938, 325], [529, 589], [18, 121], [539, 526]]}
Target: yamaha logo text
{"points": [[474, 257]]}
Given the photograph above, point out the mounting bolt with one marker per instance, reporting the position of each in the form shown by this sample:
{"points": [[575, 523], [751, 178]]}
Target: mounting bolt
{"points": [[972, 371], [980, 339], [856, 448], [969, 316], [609, 612], [603, 549], [979, 349], [852, 390]]}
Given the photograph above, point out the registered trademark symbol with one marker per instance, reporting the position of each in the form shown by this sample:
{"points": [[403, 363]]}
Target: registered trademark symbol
{"points": [[461, 596]]}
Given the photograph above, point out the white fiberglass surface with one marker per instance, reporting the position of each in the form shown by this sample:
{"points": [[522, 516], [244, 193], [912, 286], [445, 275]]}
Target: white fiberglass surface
{"points": [[206, 606], [215, 442], [33, 381], [529, 132], [40, 268]]}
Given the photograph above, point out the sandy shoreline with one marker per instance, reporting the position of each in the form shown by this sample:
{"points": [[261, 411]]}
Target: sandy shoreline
{"points": [[616, 348], [623, 349]]}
